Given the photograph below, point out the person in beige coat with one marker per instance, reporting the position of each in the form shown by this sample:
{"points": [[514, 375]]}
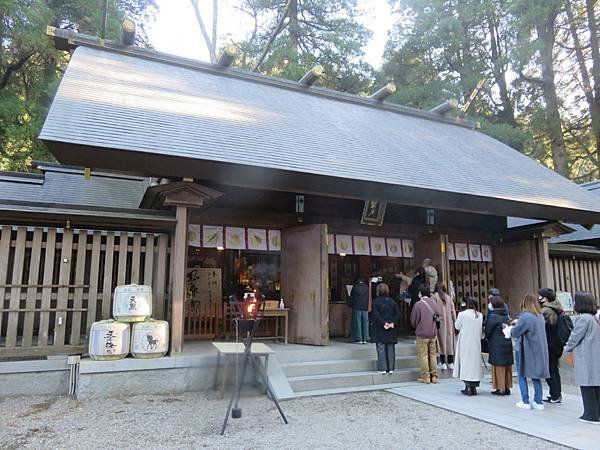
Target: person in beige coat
{"points": [[467, 365], [445, 334]]}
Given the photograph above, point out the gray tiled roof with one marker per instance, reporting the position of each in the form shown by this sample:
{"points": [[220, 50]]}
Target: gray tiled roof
{"points": [[67, 186], [64, 190], [121, 101]]}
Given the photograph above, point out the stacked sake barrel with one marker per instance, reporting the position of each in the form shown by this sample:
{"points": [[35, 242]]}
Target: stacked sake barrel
{"points": [[132, 331]]}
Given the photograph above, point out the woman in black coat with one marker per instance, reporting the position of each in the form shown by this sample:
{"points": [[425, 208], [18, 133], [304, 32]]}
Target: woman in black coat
{"points": [[386, 316], [500, 348]]}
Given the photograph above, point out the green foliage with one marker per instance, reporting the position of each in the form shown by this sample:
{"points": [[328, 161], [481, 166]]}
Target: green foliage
{"points": [[324, 32], [30, 68]]}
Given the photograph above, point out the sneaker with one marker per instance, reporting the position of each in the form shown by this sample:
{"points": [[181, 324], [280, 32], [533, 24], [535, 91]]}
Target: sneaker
{"points": [[523, 405], [593, 422], [381, 372], [551, 400], [538, 406], [450, 366], [390, 372]]}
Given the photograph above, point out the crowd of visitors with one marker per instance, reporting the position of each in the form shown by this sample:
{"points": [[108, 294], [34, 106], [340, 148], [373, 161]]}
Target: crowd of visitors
{"points": [[534, 341]]}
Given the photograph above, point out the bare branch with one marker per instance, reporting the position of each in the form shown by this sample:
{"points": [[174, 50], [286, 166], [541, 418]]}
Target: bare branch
{"points": [[278, 29], [210, 44], [12, 68]]}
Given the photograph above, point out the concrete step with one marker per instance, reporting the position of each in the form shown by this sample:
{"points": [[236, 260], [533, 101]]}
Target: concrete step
{"points": [[351, 379], [305, 368], [349, 351]]}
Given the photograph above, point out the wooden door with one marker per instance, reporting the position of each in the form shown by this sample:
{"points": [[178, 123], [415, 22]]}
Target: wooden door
{"points": [[304, 283]]}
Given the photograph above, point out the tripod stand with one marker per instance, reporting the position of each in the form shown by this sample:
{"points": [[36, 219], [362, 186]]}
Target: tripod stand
{"points": [[245, 317]]}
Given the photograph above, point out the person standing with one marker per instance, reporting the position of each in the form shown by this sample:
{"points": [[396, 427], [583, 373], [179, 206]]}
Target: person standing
{"points": [[386, 316], [413, 286], [430, 273], [445, 334], [359, 302], [500, 347], [467, 366], [551, 310], [532, 351], [423, 321], [584, 344]]}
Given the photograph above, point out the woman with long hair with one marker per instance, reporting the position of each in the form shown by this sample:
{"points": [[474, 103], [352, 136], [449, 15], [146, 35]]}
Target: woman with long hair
{"points": [[584, 342], [500, 347], [467, 365], [386, 316], [531, 351], [445, 334]]}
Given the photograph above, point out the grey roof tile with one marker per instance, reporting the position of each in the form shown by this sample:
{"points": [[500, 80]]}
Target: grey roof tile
{"points": [[108, 99]]}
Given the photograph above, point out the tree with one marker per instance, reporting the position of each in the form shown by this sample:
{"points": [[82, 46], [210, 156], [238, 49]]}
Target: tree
{"points": [[210, 41], [536, 20], [30, 68], [440, 49], [291, 36]]}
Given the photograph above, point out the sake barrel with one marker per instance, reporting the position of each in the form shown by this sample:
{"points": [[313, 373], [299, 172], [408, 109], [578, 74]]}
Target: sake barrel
{"points": [[132, 303], [109, 340], [150, 339]]}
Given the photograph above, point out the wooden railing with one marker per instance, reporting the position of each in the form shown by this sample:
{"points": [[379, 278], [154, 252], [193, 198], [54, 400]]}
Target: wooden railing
{"points": [[54, 283]]}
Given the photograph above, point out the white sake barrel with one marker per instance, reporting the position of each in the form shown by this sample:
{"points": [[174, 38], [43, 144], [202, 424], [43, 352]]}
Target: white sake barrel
{"points": [[132, 303], [109, 340], [150, 339]]}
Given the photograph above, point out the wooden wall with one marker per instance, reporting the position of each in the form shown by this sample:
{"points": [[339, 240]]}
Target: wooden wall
{"points": [[54, 283]]}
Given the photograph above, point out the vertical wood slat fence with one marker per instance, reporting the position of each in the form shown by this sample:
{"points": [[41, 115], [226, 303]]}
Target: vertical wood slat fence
{"points": [[54, 283], [572, 275], [472, 278]]}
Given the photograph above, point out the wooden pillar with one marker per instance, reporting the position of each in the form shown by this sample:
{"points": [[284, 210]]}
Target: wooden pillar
{"points": [[434, 247], [178, 278], [181, 195], [545, 278]]}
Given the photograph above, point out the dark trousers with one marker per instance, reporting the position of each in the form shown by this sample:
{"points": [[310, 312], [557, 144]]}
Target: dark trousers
{"points": [[591, 402], [554, 382], [386, 357], [447, 359]]}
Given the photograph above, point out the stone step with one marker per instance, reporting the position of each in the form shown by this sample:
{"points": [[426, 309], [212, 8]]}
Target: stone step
{"points": [[349, 351], [305, 368], [352, 379]]}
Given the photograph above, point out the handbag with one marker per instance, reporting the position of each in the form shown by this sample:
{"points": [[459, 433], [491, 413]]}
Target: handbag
{"points": [[436, 317], [569, 359]]}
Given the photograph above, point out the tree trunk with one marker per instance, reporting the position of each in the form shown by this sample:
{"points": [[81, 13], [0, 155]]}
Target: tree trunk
{"points": [[499, 70], [294, 29], [595, 52], [546, 36], [592, 100]]}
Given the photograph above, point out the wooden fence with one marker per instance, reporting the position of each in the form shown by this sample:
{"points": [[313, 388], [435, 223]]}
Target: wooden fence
{"points": [[572, 275], [54, 283], [472, 279]]}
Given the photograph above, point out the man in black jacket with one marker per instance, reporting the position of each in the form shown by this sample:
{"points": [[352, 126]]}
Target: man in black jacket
{"points": [[552, 309], [359, 302]]}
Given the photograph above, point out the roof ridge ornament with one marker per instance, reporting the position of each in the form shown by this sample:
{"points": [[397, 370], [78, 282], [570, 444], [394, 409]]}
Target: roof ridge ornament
{"points": [[309, 78], [445, 107], [383, 93], [228, 56]]}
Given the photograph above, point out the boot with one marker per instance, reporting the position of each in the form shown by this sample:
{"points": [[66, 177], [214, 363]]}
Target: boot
{"points": [[473, 391], [466, 391]]}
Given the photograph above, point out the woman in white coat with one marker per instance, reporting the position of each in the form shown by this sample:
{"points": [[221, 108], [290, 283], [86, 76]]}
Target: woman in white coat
{"points": [[467, 363]]}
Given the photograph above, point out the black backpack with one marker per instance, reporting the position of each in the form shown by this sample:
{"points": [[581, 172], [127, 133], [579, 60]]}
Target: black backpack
{"points": [[564, 326]]}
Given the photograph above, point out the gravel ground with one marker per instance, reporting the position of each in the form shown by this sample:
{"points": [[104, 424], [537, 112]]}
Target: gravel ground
{"points": [[193, 420]]}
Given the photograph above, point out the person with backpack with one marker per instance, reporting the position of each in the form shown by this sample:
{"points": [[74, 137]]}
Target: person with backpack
{"points": [[552, 311], [584, 344], [426, 318]]}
